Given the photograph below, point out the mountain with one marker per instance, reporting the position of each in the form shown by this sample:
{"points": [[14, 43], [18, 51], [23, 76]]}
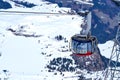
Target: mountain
{"points": [[104, 16], [25, 56], [36, 47], [106, 20]]}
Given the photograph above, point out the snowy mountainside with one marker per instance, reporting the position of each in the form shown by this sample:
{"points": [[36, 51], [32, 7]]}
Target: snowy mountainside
{"points": [[26, 56]]}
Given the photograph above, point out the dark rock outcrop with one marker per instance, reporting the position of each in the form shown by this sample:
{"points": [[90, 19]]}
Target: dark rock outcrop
{"points": [[105, 20], [22, 32], [61, 65], [4, 5], [92, 62], [24, 3]]}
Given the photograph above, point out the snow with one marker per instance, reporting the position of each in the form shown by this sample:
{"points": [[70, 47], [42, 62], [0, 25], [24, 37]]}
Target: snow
{"points": [[89, 2], [106, 48], [22, 56]]}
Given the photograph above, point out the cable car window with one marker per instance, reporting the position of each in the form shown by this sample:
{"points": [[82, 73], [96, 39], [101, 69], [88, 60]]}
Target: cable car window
{"points": [[80, 46], [89, 47]]}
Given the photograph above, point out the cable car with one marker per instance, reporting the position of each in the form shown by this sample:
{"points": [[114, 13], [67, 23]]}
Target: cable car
{"points": [[82, 45]]}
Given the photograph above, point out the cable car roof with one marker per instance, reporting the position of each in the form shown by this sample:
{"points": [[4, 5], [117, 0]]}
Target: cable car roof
{"points": [[83, 38]]}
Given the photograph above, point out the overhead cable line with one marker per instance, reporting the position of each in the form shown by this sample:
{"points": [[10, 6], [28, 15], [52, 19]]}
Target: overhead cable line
{"points": [[32, 12]]}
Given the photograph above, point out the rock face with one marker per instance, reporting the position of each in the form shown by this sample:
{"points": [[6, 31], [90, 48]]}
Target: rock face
{"points": [[105, 20], [4, 5], [24, 3], [61, 65], [92, 62], [104, 16]]}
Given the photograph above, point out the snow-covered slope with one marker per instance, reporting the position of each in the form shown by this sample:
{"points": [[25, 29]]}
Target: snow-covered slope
{"points": [[28, 42], [106, 49], [26, 57]]}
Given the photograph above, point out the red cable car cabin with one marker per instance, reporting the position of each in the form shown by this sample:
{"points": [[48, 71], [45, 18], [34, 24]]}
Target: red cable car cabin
{"points": [[82, 45]]}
